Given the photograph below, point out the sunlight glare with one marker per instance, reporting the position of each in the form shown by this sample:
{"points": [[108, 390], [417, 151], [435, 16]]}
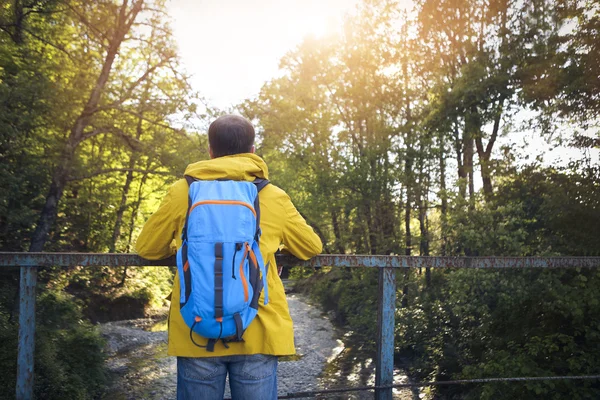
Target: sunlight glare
{"points": [[232, 47]]}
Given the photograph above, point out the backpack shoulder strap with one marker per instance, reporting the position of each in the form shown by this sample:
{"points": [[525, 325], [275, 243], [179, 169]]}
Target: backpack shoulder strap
{"points": [[184, 246], [189, 180], [260, 185]]}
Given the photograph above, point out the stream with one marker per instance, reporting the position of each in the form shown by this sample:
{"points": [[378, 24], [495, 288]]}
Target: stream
{"points": [[140, 368]]}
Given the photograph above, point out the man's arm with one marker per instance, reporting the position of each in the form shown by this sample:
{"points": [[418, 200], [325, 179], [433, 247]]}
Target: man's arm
{"points": [[299, 238], [156, 239]]}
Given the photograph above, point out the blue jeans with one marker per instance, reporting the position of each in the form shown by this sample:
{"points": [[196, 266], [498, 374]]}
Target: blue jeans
{"points": [[251, 377]]}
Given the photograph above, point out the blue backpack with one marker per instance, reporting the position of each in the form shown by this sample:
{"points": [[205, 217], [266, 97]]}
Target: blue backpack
{"points": [[221, 270]]}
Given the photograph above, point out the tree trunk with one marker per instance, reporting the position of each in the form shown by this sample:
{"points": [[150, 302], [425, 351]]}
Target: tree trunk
{"points": [[423, 190], [407, 212], [373, 245], [133, 158], [19, 19], [362, 230], [374, 200], [486, 177], [61, 173], [468, 164], [117, 228], [443, 196], [386, 216], [462, 173], [48, 214], [408, 166], [134, 214], [424, 244], [337, 232], [387, 219], [471, 128], [486, 154]]}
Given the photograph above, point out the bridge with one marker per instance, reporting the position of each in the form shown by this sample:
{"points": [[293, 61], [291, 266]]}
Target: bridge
{"points": [[387, 267]]}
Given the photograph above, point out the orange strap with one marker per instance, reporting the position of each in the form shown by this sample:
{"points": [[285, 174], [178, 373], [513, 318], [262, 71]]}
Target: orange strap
{"points": [[246, 295], [252, 256]]}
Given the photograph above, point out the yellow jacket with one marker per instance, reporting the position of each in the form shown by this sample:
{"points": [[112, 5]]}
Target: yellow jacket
{"points": [[271, 332]]}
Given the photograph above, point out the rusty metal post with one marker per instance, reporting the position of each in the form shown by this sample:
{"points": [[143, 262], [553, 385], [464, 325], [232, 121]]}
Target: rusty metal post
{"points": [[26, 333], [386, 309]]}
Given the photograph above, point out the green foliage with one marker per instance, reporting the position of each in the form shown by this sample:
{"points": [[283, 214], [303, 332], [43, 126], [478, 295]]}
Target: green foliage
{"points": [[488, 230], [69, 356], [69, 360], [534, 212], [561, 208], [475, 324], [509, 323], [152, 284]]}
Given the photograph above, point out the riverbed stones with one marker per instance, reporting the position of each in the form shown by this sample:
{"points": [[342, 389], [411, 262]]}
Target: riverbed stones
{"points": [[142, 370]]}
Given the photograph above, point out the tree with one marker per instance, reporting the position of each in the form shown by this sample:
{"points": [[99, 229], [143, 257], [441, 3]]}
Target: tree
{"points": [[109, 27]]}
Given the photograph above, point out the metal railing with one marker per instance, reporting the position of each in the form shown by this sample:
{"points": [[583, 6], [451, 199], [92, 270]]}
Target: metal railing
{"points": [[387, 266]]}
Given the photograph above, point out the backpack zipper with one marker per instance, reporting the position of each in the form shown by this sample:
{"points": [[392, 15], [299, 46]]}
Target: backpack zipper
{"points": [[223, 202], [238, 247]]}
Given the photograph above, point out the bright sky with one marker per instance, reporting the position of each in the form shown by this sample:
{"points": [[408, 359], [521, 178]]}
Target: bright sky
{"points": [[231, 47]]}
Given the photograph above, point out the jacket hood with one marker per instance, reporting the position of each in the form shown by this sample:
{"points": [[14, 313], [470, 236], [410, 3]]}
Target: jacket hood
{"points": [[238, 167]]}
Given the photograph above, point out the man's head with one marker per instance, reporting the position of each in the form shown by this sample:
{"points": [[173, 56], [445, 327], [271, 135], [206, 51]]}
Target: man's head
{"points": [[230, 134]]}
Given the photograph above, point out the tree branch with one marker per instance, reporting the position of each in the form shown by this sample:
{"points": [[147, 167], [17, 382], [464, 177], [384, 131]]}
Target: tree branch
{"points": [[153, 122], [108, 171], [132, 14], [165, 31], [132, 142], [490, 145], [585, 142], [135, 84], [4, 27], [36, 7], [56, 46], [85, 22]]}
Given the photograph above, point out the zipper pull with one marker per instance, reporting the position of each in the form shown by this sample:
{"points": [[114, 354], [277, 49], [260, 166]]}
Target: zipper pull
{"points": [[238, 247]]}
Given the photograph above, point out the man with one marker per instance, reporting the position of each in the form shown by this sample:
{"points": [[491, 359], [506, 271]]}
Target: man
{"points": [[252, 363]]}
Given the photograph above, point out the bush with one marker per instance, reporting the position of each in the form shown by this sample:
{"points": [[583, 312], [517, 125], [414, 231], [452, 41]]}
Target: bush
{"points": [[69, 359]]}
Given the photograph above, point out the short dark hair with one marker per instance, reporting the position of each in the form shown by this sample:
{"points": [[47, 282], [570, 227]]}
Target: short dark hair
{"points": [[230, 134]]}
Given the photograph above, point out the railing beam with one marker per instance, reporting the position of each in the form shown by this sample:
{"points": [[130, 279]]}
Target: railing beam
{"points": [[26, 333], [386, 310], [324, 260]]}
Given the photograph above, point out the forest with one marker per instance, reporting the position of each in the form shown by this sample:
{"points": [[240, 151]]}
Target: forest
{"points": [[428, 130]]}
